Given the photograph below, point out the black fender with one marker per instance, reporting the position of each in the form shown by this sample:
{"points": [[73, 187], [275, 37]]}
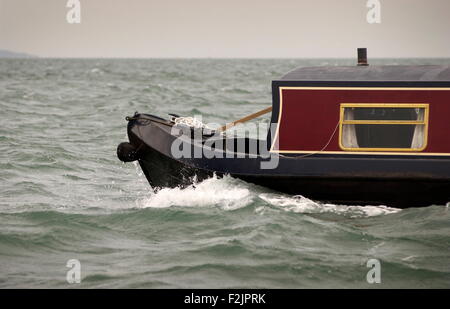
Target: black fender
{"points": [[127, 152]]}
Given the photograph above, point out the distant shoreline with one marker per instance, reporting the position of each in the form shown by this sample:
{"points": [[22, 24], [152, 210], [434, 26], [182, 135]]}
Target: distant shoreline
{"points": [[11, 54]]}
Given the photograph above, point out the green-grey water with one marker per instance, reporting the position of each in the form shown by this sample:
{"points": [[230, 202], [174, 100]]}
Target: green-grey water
{"points": [[65, 195]]}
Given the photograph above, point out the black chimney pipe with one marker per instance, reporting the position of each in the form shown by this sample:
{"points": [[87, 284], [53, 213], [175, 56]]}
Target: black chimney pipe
{"points": [[362, 57]]}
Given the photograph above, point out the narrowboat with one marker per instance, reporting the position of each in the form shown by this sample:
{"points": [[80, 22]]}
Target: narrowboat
{"points": [[353, 135]]}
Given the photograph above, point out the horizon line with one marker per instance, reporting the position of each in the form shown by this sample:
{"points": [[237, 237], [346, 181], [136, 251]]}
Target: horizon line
{"points": [[218, 58]]}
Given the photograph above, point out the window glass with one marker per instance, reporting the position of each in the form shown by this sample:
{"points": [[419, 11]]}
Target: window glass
{"points": [[383, 127]]}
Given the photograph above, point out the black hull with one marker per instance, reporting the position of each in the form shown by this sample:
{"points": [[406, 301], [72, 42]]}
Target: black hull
{"points": [[344, 179]]}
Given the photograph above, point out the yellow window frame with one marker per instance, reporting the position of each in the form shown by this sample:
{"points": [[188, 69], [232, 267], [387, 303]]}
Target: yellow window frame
{"points": [[342, 122]]}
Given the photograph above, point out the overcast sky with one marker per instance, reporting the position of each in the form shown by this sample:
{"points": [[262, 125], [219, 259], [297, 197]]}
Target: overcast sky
{"points": [[226, 28]]}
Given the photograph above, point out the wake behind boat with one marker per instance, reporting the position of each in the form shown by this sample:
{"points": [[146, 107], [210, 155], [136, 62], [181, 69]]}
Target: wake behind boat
{"points": [[350, 135]]}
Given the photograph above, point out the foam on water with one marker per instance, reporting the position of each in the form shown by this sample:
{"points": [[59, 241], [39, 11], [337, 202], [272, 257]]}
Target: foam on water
{"points": [[223, 193], [228, 193], [301, 204]]}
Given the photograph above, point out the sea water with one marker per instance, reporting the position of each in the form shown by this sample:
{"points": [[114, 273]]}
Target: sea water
{"points": [[65, 196]]}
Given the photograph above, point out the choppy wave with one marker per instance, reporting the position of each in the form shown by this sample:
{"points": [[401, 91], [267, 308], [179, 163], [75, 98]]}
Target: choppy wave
{"points": [[301, 204], [230, 194], [212, 192], [64, 195]]}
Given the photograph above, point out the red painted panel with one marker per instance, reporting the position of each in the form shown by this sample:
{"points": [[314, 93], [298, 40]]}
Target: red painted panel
{"points": [[309, 117]]}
